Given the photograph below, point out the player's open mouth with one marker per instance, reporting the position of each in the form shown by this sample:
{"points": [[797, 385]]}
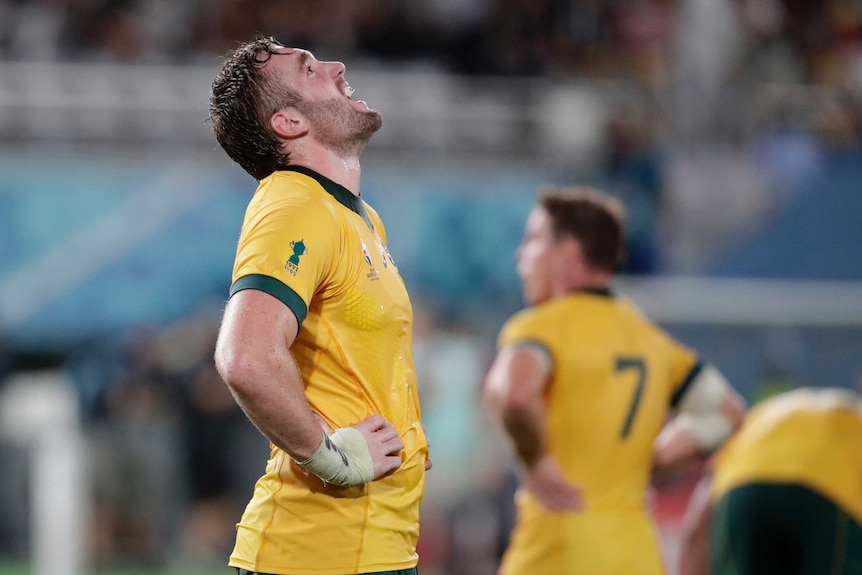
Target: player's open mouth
{"points": [[348, 91]]}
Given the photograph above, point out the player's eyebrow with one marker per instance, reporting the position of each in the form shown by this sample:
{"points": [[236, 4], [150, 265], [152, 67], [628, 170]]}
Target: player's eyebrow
{"points": [[303, 59]]}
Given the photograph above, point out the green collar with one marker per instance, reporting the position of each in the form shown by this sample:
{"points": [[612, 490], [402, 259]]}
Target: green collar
{"points": [[337, 191], [600, 291]]}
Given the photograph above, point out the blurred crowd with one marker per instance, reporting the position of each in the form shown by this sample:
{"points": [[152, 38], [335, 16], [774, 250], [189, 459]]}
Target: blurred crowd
{"points": [[509, 37], [486, 37]]}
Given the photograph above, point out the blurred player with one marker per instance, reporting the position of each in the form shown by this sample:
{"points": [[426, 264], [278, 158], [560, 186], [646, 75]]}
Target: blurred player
{"points": [[785, 495], [583, 385], [317, 333]]}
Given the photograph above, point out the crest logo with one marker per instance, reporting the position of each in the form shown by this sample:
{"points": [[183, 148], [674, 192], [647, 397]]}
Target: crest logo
{"points": [[365, 254], [383, 254], [292, 263]]}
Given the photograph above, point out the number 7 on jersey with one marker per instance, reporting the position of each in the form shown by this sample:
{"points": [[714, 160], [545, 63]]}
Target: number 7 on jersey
{"points": [[638, 365]]}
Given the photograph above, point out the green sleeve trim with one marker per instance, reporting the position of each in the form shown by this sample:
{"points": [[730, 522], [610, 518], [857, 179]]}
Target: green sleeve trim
{"points": [[686, 383], [276, 289], [540, 347], [533, 343]]}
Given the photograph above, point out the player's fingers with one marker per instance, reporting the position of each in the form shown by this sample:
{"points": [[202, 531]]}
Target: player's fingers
{"points": [[392, 444], [394, 461], [373, 423], [386, 433], [386, 465]]}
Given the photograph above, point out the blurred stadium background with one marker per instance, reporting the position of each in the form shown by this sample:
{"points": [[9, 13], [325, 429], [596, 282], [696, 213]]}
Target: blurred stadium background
{"points": [[730, 129]]}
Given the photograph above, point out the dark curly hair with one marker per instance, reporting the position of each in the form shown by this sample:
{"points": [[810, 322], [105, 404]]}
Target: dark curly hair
{"points": [[595, 219], [242, 101]]}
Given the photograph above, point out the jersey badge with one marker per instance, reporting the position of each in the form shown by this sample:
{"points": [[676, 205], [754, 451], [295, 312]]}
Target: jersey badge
{"points": [[292, 263], [372, 274], [365, 254], [383, 255]]}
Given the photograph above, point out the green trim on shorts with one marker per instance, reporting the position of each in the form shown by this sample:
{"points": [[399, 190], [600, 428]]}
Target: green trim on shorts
{"points": [[410, 571], [764, 528]]}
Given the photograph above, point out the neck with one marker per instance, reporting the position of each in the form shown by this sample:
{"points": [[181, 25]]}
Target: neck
{"points": [[342, 170], [592, 280]]}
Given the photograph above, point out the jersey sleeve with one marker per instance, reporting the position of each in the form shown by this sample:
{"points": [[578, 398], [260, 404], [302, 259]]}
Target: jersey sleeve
{"points": [[287, 247], [524, 327], [684, 367]]}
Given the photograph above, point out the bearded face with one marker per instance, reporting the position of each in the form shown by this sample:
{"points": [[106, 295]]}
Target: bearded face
{"points": [[340, 126]]}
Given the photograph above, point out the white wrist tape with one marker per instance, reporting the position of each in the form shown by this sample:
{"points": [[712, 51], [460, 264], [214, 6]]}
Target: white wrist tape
{"points": [[706, 392], [342, 458], [709, 430], [700, 410]]}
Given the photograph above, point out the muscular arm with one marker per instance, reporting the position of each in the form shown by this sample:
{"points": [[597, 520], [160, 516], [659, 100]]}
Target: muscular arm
{"points": [[253, 357], [514, 397]]}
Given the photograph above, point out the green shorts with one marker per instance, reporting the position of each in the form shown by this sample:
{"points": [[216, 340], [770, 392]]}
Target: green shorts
{"points": [[786, 529], [411, 571]]}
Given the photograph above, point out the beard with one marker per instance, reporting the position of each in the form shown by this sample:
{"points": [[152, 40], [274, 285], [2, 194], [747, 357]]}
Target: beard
{"points": [[340, 127]]}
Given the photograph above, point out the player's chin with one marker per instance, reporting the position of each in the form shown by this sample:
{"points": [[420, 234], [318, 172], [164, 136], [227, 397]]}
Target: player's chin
{"points": [[375, 119]]}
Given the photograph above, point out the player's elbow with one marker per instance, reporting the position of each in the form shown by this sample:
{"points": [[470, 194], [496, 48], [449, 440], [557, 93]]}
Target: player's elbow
{"points": [[506, 403], [517, 405], [492, 399], [235, 365]]}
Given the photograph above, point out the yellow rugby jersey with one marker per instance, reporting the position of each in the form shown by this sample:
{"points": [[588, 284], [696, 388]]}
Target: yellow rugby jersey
{"points": [[615, 377], [322, 251], [807, 436]]}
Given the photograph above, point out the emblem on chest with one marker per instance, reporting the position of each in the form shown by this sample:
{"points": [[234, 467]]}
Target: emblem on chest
{"points": [[384, 259]]}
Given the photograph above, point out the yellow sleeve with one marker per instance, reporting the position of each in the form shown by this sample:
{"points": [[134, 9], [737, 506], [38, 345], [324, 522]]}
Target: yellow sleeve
{"points": [[524, 326], [288, 245]]}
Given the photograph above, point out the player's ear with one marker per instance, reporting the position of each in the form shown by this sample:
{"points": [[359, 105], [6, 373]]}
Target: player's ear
{"points": [[571, 248], [288, 123]]}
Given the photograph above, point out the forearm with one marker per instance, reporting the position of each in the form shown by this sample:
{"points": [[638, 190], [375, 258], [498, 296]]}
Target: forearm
{"points": [[271, 393], [514, 396], [253, 357], [526, 430]]}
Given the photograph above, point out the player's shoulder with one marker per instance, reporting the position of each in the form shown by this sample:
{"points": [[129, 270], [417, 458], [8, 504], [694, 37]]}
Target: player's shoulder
{"points": [[376, 220], [533, 314], [532, 322], [295, 191], [371, 211], [289, 184], [806, 401]]}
